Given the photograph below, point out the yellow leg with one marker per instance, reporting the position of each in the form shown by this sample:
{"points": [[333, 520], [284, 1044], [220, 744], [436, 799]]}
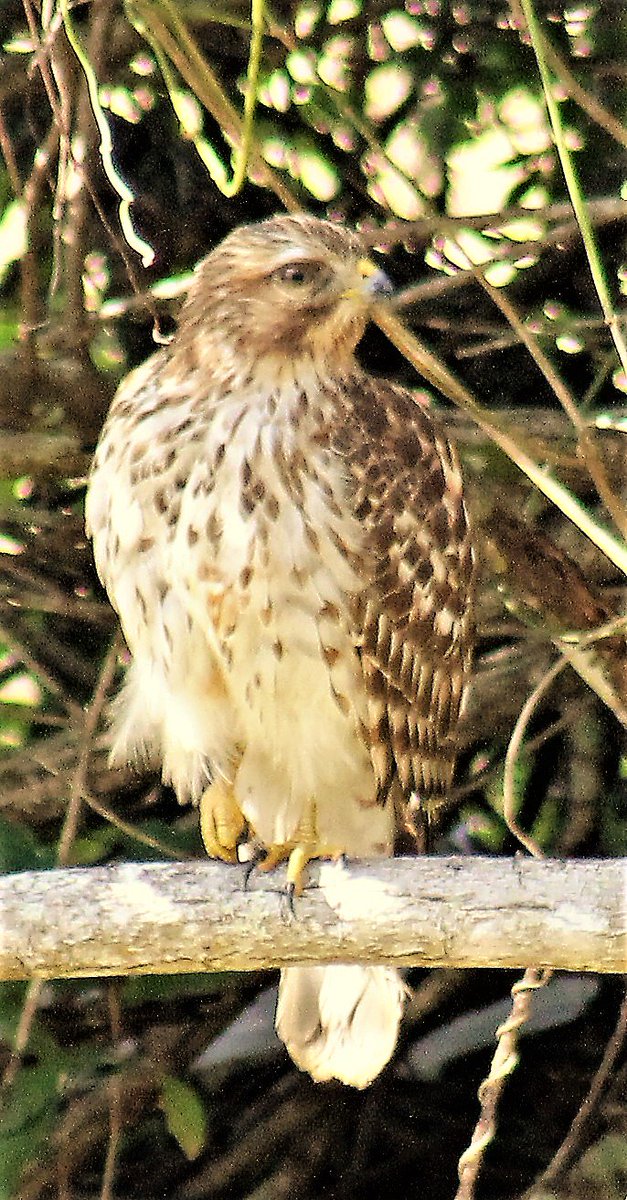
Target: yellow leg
{"points": [[222, 823], [273, 856], [296, 865], [303, 847]]}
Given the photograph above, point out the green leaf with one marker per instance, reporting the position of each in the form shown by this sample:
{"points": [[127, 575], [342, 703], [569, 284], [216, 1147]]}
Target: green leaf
{"points": [[20, 850], [146, 989], [27, 1121], [185, 1115], [606, 1163]]}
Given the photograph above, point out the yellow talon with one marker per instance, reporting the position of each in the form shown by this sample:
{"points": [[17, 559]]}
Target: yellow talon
{"points": [[274, 855], [297, 857], [222, 823], [296, 865], [299, 851]]}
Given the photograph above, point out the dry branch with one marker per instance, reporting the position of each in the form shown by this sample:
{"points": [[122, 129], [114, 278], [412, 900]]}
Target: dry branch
{"points": [[177, 917]]}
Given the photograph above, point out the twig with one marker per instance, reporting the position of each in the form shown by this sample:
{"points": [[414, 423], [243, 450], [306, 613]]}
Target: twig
{"points": [[8, 153], [79, 781], [570, 1148], [478, 782], [22, 1034], [22, 652], [114, 1093], [607, 208], [438, 374], [152, 22], [29, 266], [503, 341], [63, 132], [119, 185], [503, 1064], [587, 445], [572, 182], [84, 135], [513, 750], [586, 101], [66, 839], [129, 830]]}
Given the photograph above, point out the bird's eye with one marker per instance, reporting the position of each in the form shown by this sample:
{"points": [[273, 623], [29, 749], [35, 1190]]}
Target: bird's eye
{"points": [[297, 274]]}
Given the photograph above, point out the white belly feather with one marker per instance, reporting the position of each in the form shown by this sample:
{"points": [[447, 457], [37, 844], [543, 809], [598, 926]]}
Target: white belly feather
{"points": [[243, 659]]}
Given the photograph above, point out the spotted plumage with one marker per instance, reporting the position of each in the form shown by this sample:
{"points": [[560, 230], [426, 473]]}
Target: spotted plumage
{"points": [[285, 541]]}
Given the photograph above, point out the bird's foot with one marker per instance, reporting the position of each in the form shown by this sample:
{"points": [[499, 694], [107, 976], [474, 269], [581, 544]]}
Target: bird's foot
{"points": [[222, 823], [297, 856], [298, 852]]}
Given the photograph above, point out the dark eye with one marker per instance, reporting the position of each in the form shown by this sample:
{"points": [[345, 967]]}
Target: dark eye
{"points": [[297, 273]]}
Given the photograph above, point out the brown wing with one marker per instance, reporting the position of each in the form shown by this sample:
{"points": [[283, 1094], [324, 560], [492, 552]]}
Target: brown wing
{"points": [[414, 617]]}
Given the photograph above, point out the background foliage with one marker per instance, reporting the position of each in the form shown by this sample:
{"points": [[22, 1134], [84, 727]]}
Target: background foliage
{"points": [[125, 131]]}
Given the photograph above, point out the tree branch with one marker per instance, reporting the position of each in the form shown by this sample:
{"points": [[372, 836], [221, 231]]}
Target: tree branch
{"points": [[140, 918]]}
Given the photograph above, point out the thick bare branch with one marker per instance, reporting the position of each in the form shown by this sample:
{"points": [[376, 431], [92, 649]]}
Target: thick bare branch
{"points": [[178, 917]]}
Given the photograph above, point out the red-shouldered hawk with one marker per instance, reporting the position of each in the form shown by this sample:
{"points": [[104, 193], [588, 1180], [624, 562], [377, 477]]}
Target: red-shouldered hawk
{"points": [[285, 541]]}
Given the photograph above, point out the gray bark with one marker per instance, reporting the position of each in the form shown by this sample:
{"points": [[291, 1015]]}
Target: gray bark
{"points": [[141, 918]]}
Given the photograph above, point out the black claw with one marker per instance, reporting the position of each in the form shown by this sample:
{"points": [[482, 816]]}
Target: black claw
{"points": [[258, 856], [290, 893]]}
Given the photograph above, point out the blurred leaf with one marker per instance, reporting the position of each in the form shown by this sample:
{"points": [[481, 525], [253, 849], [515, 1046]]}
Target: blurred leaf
{"points": [[185, 1115], [32, 1104], [12, 235], [482, 829], [9, 330], [28, 1119], [95, 846], [546, 824], [614, 824], [144, 989], [606, 1163], [20, 850], [12, 996]]}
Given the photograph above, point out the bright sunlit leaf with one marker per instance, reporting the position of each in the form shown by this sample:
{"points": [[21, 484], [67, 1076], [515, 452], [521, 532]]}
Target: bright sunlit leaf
{"points": [[275, 93], [569, 344], [334, 63], [8, 545], [619, 379], [301, 65], [387, 87], [121, 102], [12, 235], [499, 274], [390, 188], [401, 31], [342, 10], [306, 18], [317, 175], [189, 113], [524, 117], [21, 689]]}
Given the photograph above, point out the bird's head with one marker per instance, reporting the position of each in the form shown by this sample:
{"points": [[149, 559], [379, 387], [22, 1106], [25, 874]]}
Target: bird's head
{"points": [[290, 286]]}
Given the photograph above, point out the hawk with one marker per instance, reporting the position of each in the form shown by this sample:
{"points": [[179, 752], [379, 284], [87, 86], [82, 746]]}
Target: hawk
{"points": [[285, 541]]}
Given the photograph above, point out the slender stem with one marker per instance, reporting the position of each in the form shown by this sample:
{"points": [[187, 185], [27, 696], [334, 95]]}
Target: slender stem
{"points": [[511, 758], [572, 183], [437, 374]]}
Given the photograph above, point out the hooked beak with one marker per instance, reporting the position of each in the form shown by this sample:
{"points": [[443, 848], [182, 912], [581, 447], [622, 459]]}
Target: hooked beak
{"points": [[375, 283]]}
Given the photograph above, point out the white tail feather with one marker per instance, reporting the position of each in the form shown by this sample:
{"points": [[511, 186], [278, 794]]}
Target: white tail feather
{"points": [[340, 1022]]}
